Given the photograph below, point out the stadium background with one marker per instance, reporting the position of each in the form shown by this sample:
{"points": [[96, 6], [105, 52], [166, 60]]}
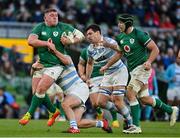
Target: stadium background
{"points": [[161, 18]]}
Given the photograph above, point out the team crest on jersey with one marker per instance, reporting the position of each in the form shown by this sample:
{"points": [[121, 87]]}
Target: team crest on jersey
{"points": [[121, 42], [127, 48], [55, 34], [131, 41]]}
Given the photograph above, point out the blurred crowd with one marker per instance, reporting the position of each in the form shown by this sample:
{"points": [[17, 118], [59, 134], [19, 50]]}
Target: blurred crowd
{"points": [[150, 13], [160, 14]]}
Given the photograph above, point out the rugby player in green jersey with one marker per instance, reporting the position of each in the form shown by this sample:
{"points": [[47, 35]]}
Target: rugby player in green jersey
{"points": [[134, 44], [96, 80], [43, 36]]}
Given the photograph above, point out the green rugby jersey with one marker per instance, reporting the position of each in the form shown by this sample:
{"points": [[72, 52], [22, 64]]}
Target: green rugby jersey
{"points": [[45, 32], [96, 68], [134, 47]]}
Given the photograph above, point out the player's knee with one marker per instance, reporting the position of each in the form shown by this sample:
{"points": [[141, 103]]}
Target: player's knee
{"points": [[119, 103], [147, 100], [135, 86], [64, 105], [101, 103]]}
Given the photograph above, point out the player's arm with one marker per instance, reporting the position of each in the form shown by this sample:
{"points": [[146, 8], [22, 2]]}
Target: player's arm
{"points": [[35, 42], [154, 51], [89, 68], [77, 37], [64, 58], [113, 46], [113, 60], [82, 69]]}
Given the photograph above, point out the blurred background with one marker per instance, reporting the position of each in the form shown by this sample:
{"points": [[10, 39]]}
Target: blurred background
{"points": [[160, 18]]}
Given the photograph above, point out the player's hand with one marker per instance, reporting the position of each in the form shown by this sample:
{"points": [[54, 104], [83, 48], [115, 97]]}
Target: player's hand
{"points": [[88, 82], [103, 69], [147, 65], [83, 77], [37, 66], [65, 40], [51, 46]]}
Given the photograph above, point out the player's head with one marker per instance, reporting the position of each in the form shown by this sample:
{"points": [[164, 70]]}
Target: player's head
{"points": [[51, 17], [125, 21], [93, 33]]}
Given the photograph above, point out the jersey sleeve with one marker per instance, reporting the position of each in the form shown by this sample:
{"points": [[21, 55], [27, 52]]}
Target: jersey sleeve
{"points": [[143, 38], [89, 52], [37, 30], [117, 39], [83, 55]]}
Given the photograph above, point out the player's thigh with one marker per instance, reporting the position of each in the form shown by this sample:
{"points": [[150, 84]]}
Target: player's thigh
{"points": [[120, 77], [45, 83], [36, 77], [95, 83], [102, 99], [79, 111], [80, 90], [71, 101], [54, 89], [94, 98], [140, 74]]}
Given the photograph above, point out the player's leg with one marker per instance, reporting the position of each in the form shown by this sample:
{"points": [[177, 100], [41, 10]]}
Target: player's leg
{"points": [[148, 109], [87, 123], [93, 95], [35, 102], [157, 103], [69, 102], [94, 99], [76, 96], [114, 113]]}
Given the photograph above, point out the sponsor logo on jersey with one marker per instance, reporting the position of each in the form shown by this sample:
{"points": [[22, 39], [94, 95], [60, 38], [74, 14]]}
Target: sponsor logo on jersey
{"points": [[127, 48], [43, 33], [55, 34], [131, 41]]}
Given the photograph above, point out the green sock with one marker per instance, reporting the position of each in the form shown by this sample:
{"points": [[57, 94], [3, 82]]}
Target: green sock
{"points": [[164, 107], [61, 109], [48, 104], [135, 112], [99, 110], [35, 102], [114, 115], [58, 105]]}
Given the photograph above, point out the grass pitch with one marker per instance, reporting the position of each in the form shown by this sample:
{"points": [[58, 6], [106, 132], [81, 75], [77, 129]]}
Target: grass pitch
{"points": [[38, 128]]}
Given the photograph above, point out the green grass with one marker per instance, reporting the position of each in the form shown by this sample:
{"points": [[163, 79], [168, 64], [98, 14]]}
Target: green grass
{"points": [[38, 128]]}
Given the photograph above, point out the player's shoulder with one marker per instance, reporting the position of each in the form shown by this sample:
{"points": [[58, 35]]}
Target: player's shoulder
{"points": [[140, 32], [64, 25], [39, 25], [110, 40], [120, 36], [84, 50]]}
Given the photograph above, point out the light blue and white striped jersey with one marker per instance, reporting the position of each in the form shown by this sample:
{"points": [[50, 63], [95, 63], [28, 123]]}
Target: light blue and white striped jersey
{"points": [[68, 78], [101, 55]]}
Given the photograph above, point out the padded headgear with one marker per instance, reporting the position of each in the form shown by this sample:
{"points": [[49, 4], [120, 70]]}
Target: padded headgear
{"points": [[127, 20]]}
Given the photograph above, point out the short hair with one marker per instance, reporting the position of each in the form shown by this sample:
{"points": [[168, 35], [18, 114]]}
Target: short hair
{"points": [[94, 27], [49, 10]]}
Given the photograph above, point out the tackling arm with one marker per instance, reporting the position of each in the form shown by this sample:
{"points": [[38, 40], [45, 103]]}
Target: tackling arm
{"points": [[89, 68], [154, 51], [82, 69], [113, 60], [35, 42]]}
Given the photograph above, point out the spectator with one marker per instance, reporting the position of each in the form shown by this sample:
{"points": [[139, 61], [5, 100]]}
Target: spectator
{"points": [[8, 106]]}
